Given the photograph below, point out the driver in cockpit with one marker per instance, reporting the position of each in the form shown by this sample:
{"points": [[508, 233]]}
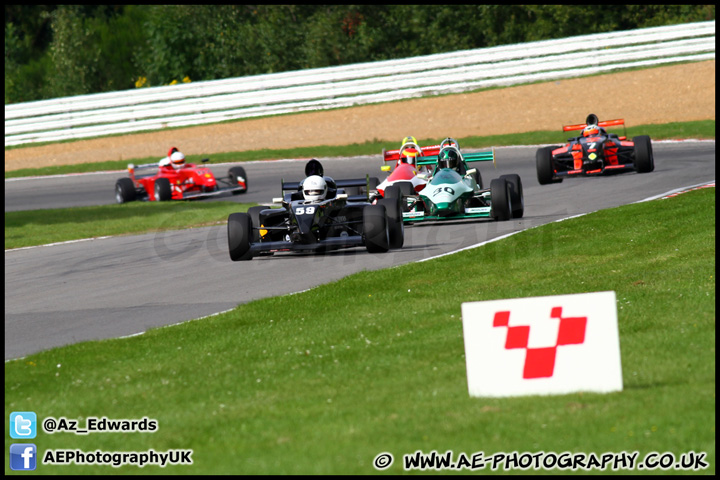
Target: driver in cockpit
{"points": [[316, 186], [449, 158]]}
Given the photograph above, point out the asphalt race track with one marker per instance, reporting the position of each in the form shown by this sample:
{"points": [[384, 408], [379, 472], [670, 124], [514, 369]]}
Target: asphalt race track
{"points": [[111, 287]]}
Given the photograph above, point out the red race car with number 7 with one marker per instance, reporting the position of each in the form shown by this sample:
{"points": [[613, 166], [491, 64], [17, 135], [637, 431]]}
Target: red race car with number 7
{"points": [[595, 152]]}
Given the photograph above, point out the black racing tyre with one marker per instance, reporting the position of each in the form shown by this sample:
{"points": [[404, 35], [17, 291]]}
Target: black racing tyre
{"points": [[396, 229], [373, 182], [644, 161], [124, 190], [233, 175], [239, 229], [375, 229], [393, 191], [516, 194], [254, 213], [544, 165], [163, 192], [406, 188], [501, 199]]}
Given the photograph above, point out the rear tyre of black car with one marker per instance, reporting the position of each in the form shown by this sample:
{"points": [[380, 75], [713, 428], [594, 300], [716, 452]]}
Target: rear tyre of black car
{"points": [[163, 192], [516, 194], [406, 188], [124, 190], [393, 191], [233, 175], [644, 161], [402, 190], [501, 199], [240, 231], [396, 229], [375, 229], [544, 165]]}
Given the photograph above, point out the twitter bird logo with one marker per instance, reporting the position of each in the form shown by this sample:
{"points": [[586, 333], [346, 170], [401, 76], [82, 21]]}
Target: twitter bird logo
{"points": [[23, 425]]}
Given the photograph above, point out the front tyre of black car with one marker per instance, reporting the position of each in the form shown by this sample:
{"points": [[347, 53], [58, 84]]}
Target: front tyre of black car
{"points": [[239, 229]]}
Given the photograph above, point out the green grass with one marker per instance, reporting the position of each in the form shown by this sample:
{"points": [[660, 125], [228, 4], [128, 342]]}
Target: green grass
{"points": [[40, 227], [322, 381], [699, 129]]}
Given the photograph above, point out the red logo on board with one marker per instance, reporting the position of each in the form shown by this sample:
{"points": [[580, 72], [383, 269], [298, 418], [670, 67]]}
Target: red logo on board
{"points": [[540, 362]]}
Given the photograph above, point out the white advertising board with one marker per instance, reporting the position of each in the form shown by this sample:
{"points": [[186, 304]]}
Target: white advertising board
{"points": [[542, 345]]}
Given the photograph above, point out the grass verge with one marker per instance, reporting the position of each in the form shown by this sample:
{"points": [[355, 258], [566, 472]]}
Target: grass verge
{"points": [[323, 381], [700, 129], [40, 227]]}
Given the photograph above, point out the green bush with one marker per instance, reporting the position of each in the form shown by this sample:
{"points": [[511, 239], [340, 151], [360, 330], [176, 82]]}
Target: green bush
{"points": [[53, 50]]}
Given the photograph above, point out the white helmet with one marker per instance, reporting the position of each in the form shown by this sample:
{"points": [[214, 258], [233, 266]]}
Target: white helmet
{"points": [[314, 188], [177, 158]]}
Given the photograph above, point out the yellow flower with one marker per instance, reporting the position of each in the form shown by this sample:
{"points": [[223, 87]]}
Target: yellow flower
{"points": [[173, 82], [140, 82], [186, 79]]}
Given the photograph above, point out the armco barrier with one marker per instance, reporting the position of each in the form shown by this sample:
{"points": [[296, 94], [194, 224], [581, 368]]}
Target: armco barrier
{"points": [[322, 88]]}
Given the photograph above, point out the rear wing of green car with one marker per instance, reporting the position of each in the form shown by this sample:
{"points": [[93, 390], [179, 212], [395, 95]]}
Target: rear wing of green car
{"points": [[486, 156]]}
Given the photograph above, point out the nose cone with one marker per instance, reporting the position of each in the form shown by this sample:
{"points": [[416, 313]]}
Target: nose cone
{"points": [[446, 199], [446, 209], [306, 228], [443, 201], [442, 197]]}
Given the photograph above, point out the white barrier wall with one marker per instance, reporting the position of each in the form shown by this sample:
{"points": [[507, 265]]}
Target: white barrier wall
{"points": [[322, 88]]}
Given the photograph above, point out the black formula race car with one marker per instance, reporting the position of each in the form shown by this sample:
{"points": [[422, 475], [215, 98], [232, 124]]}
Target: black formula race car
{"points": [[317, 216], [595, 152]]}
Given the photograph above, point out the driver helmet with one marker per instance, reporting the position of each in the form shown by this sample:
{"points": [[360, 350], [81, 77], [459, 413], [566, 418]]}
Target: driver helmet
{"points": [[314, 167], [449, 159], [177, 159], [408, 156], [591, 130], [408, 139], [314, 188]]}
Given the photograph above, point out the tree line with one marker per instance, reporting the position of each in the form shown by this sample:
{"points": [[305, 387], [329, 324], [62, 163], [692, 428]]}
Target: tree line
{"points": [[62, 50]]}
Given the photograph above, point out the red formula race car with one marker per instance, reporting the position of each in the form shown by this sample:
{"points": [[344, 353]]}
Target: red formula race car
{"points": [[595, 152], [184, 183], [407, 174]]}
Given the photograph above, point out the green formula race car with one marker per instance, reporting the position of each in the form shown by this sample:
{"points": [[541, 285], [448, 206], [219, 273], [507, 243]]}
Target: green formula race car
{"points": [[455, 192]]}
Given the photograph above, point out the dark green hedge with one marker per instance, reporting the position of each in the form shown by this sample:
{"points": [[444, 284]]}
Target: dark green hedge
{"points": [[53, 51]]}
